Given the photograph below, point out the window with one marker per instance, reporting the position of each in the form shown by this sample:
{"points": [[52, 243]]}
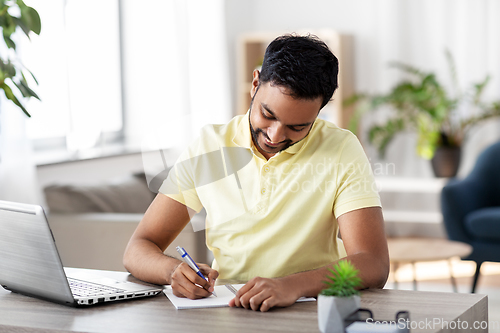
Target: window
{"points": [[151, 70], [76, 60]]}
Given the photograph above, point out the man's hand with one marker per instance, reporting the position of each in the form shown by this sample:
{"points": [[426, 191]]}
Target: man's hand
{"points": [[186, 283], [263, 294]]}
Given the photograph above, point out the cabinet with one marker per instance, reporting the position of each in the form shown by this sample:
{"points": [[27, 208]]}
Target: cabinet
{"points": [[250, 53]]}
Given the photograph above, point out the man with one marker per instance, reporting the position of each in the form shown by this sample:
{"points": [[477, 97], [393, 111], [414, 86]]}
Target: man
{"points": [[278, 184]]}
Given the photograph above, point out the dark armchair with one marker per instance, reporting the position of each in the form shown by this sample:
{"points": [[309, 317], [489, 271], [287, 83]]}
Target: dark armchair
{"points": [[471, 209]]}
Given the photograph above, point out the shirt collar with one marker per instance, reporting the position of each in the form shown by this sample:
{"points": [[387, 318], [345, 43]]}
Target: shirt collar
{"points": [[243, 136]]}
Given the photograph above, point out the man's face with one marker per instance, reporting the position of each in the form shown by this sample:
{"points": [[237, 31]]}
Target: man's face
{"points": [[277, 120]]}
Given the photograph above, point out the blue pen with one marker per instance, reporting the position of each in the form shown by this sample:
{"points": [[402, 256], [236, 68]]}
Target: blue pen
{"points": [[187, 258]]}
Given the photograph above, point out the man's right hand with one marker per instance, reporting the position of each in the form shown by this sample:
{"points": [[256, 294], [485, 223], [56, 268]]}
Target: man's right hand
{"points": [[186, 283]]}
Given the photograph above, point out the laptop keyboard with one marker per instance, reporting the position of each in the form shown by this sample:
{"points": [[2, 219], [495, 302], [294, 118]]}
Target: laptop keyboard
{"points": [[88, 289]]}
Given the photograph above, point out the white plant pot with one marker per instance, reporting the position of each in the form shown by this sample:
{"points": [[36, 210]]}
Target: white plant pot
{"points": [[333, 310]]}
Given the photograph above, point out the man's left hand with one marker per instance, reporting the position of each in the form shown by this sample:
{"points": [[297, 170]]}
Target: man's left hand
{"points": [[263, 294]]}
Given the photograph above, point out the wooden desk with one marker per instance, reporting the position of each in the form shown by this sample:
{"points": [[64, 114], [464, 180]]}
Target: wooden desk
{"points": [[157, 314]]}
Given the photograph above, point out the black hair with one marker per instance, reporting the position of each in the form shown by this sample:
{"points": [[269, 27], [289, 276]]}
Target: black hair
{"points": [[302, 64]]}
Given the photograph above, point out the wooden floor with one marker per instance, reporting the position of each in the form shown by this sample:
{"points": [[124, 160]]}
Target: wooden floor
{"points": [[434, 276]]}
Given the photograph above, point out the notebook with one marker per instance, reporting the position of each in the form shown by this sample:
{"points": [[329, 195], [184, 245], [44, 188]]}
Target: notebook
{"points": [[30, 264], [224, 295]]}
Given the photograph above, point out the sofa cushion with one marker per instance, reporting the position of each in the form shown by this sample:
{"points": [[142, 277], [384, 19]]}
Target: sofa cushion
{"points": [[128, 195], [484, 223]]}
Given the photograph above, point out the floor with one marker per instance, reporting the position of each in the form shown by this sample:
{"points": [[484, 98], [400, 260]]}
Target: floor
{"points": [[434, 276]]}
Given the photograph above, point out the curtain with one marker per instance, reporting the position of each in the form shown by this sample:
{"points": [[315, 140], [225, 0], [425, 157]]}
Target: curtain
{"points": [[176, 74], [18, 178], [175, 68]]}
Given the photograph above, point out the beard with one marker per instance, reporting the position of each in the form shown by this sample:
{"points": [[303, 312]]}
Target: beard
{"points": [[255, 138]]}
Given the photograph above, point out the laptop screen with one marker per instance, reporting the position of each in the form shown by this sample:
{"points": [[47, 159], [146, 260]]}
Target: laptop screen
{"points": [[29, 261]]}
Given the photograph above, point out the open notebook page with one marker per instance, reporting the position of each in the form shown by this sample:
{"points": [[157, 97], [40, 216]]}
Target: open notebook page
{"points": [[224, 295]]}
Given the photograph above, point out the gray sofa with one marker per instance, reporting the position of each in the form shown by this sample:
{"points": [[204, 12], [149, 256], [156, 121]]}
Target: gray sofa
{"points": [[98, 240], [93, 223]]}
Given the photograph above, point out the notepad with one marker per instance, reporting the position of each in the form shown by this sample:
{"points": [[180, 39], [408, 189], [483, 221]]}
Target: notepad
{"points": [[224, 295]]}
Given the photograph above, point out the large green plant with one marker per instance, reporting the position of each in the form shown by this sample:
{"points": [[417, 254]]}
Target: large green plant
{"points": [[16, 14], [422, 104]]}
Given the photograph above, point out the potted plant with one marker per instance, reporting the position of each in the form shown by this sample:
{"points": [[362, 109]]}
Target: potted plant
{"points": [[14, 14], [421, 103], [340, 298]]}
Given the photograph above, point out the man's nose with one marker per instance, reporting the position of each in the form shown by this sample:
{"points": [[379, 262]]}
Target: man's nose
{"points": [[276, 132]]}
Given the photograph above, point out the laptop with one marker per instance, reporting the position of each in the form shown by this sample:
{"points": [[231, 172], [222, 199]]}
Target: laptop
{"points": [[30, 264]]}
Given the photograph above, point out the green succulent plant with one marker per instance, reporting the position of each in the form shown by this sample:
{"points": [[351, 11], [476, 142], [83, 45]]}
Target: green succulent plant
{"points": [[343, 280], [16, 14], [422, 104]]}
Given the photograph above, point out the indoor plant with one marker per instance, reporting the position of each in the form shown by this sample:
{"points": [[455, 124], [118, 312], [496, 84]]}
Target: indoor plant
{"points": [[14, 14], [340, 298], [421, 103]]}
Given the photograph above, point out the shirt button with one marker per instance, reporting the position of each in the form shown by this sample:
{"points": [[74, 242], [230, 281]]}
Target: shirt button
{"points": [[263, 191], [266, 169]]}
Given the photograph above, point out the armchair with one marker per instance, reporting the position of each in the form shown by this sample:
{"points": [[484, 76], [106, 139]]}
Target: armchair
{"points": [[471, 209]]}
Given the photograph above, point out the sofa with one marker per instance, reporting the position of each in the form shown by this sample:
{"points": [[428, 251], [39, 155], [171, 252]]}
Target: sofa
{"points": [[98, 240], [92, 224]]}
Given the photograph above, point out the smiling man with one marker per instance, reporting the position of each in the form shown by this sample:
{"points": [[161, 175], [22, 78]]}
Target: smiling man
{"points": [[272, 221]]}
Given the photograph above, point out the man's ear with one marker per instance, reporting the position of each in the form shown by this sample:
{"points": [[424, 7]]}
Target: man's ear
{"points": [[255, 83]]}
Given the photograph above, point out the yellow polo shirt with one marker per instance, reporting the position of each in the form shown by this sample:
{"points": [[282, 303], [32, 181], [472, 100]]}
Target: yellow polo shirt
{"points": [[275, 217]]}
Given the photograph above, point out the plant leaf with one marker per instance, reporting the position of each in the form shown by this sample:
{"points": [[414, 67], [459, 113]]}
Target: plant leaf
{"points": [[31, 19], [33, 76], [381, 135], [25, 89], [9, 69], [30, 91], [23, 26], [10, 43], [453, 71], [10, 95], [479, 89], [407, 68], [343, 280]]}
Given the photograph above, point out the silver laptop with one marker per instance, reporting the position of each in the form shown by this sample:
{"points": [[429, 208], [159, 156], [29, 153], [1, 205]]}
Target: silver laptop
{"points": [[30, 263]]}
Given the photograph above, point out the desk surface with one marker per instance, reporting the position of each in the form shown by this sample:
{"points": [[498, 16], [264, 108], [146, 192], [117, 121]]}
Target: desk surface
{"points": [[157, 314]]}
